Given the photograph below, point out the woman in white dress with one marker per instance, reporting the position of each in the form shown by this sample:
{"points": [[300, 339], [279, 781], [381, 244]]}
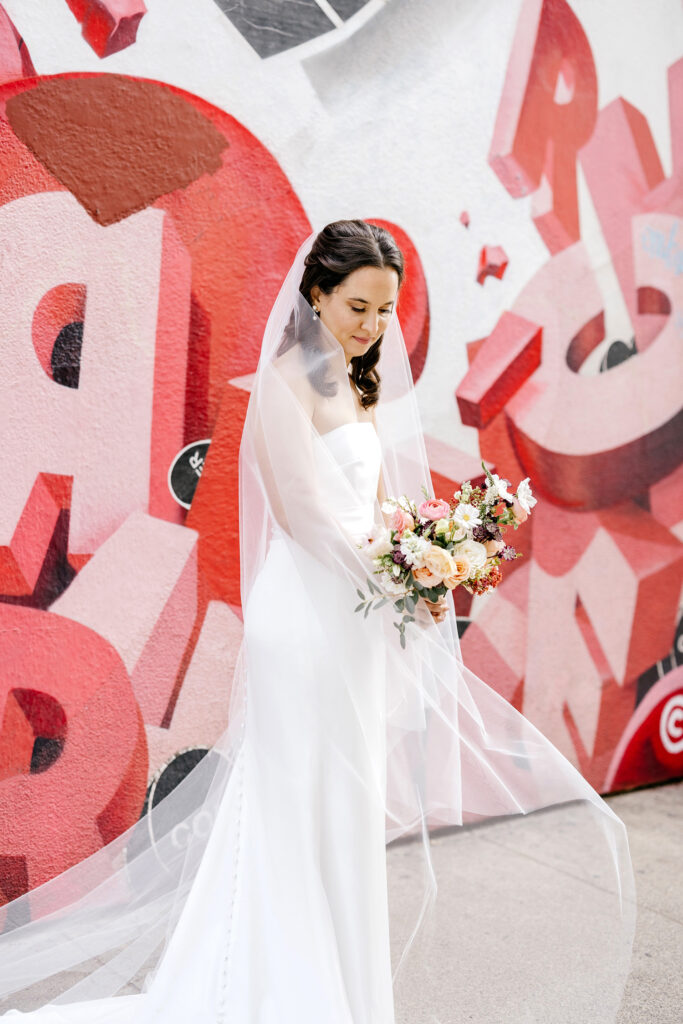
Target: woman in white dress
{"points": [[258, 891]]}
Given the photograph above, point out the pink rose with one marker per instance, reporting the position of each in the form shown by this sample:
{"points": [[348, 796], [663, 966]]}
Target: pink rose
{"points": [[401, 521], [434, 509]]}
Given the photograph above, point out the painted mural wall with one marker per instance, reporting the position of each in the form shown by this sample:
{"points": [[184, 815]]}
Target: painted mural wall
{"points": [[160, 163]]}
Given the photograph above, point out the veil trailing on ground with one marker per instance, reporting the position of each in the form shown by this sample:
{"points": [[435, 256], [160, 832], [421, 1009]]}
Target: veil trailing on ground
{"points": [[503, 862]]}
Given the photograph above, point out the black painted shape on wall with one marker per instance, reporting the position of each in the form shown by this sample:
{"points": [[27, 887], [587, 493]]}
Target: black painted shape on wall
{"points": [[617, 353], [186, 470], [46, 750], [196, 787], [272, 26], [661, 668], [345, 8], [66, 355]]}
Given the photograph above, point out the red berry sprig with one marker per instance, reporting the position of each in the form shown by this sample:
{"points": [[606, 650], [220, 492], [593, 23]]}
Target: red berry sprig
{"points": [[488, 582]]}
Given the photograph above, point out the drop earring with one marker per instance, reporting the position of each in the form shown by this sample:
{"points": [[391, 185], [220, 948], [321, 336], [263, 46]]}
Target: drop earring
{"points": [[315, 312]]}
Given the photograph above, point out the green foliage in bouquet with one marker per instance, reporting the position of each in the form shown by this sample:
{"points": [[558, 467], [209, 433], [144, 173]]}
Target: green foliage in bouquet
{"points": [[405, 604]]}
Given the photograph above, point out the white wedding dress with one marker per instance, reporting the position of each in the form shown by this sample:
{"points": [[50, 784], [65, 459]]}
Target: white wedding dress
{"points": [[287, 919], [257, 890]]}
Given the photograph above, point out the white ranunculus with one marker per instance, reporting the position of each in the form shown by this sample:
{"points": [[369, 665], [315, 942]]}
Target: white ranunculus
{"points": [[380, 543], [474, 552], [390, 505], [524, 495], [397, 588]]}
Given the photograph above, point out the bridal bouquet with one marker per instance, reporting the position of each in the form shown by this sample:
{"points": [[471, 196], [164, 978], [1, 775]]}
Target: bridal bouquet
{"points": [[431, 548]]}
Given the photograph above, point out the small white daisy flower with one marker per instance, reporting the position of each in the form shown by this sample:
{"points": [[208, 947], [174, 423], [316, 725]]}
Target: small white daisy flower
{"points": [[467, 515]]}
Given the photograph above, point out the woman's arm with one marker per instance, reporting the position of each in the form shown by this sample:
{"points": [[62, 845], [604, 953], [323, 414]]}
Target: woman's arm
{"points": [[279, 448], [436, 608], [381, 489]]}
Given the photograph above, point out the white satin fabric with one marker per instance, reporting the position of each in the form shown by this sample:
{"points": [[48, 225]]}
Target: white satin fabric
{"points": [[356, 448], [294, 874], [312, 883]]}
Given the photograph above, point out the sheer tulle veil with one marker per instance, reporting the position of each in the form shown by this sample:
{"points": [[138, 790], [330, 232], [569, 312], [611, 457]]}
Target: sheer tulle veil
{"points": [[474, 796]]}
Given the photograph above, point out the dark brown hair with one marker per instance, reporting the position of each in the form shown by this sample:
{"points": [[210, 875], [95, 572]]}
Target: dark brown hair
{"points": [[340, 248]]}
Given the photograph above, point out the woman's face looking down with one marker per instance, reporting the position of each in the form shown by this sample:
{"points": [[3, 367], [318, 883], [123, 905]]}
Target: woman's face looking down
{"points": [[358, 309]]}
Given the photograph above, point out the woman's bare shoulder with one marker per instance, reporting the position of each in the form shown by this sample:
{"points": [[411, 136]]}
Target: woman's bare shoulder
{"points": [[290, 366], [290, 363]]}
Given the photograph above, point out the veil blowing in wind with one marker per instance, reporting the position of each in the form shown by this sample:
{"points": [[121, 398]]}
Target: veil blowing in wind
{"points": [[259, 890]]}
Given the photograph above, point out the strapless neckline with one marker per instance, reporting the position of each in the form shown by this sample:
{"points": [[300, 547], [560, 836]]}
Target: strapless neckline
{"points": [[351, 423], [348, 463], [355, 450]]}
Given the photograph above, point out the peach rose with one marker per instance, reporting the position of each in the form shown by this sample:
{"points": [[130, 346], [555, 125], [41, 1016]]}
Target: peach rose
{"points": [[462, 571], [439, 561], [425, 577], [494, 546], [434, 509], [521, 513], [401, 520]]}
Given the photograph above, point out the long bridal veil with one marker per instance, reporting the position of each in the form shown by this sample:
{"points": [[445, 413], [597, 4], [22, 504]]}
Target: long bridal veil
{"points": [[506, 866]]}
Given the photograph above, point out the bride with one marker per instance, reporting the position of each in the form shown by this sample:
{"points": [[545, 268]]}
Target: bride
{"points": [[259, 891]]}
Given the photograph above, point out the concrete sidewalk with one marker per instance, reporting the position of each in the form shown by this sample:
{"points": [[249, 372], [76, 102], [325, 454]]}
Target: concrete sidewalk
{"points": [[654, 819]]}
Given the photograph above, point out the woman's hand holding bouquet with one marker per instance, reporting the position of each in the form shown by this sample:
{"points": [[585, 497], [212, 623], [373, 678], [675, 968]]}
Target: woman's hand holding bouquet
{"points": [[426, 550]]}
